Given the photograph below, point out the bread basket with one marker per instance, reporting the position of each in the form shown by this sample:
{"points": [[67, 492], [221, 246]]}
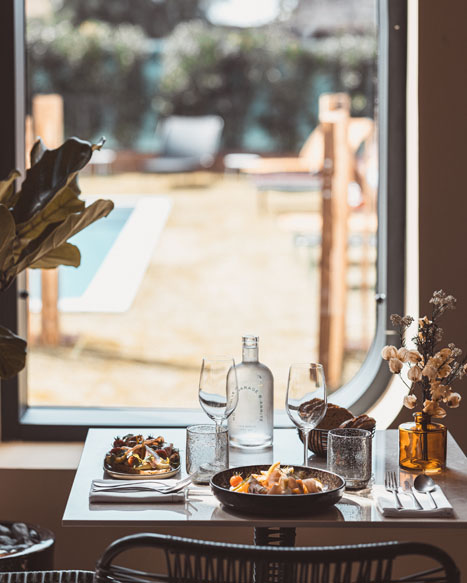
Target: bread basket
{"points": [[318, 440]]}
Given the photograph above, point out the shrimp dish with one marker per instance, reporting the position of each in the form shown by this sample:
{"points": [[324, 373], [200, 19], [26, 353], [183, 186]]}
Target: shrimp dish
{"points": [[276, 480]]}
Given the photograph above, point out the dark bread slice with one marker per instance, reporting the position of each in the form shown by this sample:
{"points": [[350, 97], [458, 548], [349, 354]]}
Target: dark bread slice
{"points": [[360, 422], [335, 415]]}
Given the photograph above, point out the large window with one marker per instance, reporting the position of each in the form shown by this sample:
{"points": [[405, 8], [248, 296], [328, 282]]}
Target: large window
{"points": [[279, 227]]}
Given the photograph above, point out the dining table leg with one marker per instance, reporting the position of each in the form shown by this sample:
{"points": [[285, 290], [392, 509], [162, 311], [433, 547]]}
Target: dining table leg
{"points": [[278, 537]]}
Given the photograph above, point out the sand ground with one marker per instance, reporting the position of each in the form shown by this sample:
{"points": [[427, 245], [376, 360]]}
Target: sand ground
{"points": [[219, 270]]}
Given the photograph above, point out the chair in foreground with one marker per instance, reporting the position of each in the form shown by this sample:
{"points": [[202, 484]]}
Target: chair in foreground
{"points": [[192, 561], [187, 144]]}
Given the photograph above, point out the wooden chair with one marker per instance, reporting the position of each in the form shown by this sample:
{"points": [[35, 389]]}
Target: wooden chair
{"points": [[194, 561]]}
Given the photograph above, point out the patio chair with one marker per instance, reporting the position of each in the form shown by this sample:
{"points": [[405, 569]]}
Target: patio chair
{"points": [[193, 561], [187, 144]]}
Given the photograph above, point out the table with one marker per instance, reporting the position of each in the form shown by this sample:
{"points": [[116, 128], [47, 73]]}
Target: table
{"points": [[353, 510]]}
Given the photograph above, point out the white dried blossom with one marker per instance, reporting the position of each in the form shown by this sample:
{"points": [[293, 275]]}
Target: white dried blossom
{"points": [[445, 353], [395, 365], [439, 391], [414, 374], [444, 371], [429, 372], [389, 352], [403, 354], [410, 401], [415, 356], [453, 400], [432, 408]]}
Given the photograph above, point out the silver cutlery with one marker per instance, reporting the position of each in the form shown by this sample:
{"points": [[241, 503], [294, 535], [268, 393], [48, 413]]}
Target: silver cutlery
{"points": [[408, 490], [391, 485], [140, 486], [425, 485]]}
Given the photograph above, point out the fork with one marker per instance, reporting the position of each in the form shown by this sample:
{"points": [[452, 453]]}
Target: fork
{"points": [[134, 486], [390, 483]]}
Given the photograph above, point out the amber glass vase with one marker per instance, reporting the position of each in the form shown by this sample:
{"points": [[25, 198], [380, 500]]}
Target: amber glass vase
{"points": [[422, 445]]}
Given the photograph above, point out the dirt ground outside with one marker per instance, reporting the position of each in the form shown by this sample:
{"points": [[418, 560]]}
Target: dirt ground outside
{"points": [[219, 270]]}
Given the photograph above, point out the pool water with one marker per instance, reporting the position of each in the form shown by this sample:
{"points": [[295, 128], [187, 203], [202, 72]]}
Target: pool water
{"points": [[94, 242]]}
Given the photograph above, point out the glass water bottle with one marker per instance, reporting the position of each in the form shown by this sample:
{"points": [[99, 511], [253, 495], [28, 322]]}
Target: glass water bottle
{"points": [[251, 424]]}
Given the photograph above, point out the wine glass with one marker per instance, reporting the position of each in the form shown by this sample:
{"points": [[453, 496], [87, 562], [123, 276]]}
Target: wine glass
{"points": [[218, 393], [306, 401]]}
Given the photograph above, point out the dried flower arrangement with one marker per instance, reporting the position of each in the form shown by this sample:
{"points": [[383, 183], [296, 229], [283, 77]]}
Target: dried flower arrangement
{"points": [[431, 371]]}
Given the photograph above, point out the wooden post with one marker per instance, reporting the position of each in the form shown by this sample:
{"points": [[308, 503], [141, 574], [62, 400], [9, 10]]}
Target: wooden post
{"points": [[333, 268], [47, 112]]}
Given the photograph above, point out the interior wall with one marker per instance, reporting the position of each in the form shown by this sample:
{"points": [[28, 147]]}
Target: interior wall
{"points": [[443, 165]]}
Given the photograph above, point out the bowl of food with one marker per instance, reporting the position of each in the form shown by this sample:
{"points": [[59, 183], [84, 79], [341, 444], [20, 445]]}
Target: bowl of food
{"points": [[335, 417], [277, 490], [25, 547], [138, 457]]}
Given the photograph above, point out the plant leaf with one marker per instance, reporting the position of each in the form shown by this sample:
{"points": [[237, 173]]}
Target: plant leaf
{"points": [[66, 254], [37, 151], [7, 188], [64, 203], [12, 353], [53, 170], [7, 238], [57, 234]]}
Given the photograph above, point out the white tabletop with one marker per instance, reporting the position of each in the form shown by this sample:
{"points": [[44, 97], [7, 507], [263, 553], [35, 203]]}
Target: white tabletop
{"points": [[201, 510]]}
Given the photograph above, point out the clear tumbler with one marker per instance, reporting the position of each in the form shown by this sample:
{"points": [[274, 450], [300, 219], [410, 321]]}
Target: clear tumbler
{"points": [[201, 451], [349, 456]]}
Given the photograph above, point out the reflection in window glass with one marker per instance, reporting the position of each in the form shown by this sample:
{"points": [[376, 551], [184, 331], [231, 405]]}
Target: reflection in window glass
{"points": [[241, 156]]}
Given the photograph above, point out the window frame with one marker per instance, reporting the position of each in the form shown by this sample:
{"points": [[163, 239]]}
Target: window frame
{"points": [[20, 421]]}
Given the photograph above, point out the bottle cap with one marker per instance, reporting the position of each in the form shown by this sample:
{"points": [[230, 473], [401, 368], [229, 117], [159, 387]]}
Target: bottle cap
{"points": [[250, 340]]}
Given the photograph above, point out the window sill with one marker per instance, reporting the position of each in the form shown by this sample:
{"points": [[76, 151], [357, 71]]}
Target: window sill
{"points": [[20, 455]]}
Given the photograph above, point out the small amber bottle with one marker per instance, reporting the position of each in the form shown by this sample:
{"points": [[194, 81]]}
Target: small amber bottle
{"points": [[422, 445]]}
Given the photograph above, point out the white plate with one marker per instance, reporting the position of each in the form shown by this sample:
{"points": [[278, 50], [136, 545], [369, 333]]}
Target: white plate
{"points": [[147, 475]]}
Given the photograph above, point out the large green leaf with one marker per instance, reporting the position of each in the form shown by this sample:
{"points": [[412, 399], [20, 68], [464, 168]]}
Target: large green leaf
{"points": [[7, 188], [66, 254], [64, 203], [12, 353], [7, 239], [57, 234], [53, 170]]}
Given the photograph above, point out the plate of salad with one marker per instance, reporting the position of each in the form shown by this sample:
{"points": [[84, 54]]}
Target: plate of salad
{"points": [[138, 457]]}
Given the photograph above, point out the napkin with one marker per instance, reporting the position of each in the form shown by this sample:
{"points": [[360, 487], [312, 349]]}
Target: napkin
{"points": [[386, 505], [141, 497]]}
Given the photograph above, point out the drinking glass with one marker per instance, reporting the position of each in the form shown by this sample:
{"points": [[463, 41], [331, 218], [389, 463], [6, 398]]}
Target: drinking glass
{"points": [[216, 398], [349, 455], [306, 401]]}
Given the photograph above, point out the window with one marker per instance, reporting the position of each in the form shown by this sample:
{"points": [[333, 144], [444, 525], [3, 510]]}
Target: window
{"points": [[25, 415]]}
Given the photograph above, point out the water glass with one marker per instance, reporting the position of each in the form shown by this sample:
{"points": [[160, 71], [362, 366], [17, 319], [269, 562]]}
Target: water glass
{"points": [[207, 451], [349, 455]]}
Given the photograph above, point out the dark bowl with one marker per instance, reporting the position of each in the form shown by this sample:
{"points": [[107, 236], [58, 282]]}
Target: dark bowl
{"points": [[280, 504], [37, 557], [318, 441]]}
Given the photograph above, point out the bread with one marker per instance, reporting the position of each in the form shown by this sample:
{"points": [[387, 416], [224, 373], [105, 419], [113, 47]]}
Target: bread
{"points": [[360, 422], [335, 415]]}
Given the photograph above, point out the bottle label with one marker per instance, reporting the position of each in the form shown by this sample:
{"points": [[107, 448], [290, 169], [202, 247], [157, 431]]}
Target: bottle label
{"points": [[250, 409]]}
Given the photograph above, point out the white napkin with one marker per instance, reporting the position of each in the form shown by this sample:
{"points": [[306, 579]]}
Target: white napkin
{"points": [[141, 497], [386, 505]]}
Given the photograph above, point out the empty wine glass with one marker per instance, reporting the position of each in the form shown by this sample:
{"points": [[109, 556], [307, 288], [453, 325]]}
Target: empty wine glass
{"points": [[306, 401], [216, 398]]}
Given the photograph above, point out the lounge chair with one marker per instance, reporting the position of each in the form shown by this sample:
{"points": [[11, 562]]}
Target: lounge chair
{"points": [[188, 144]]}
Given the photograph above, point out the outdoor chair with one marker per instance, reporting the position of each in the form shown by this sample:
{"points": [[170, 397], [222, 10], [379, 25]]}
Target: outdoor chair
{"points": [[187, 144], [194, 561]]}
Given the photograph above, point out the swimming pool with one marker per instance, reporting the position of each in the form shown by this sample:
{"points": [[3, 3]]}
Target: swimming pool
{"points": [[115, 252]]}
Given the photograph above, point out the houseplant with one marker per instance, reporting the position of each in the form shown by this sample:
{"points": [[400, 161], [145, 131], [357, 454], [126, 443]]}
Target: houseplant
{"points": [[430, 372], [36, 222]]}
